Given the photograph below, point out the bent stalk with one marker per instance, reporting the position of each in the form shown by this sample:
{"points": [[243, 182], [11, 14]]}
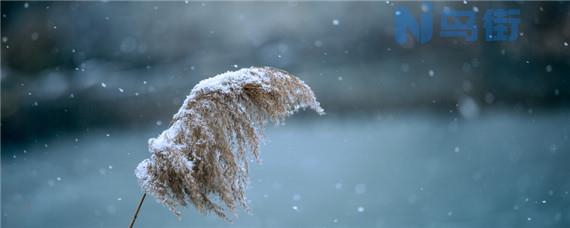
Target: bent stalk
{"points": [[137, 211]]}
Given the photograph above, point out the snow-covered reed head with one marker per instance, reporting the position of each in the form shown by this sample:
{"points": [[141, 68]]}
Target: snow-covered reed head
{"points": [[201, 158]]}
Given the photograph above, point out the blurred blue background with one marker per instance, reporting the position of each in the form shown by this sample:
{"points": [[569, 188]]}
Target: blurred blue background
{"points": [[444, 134]]}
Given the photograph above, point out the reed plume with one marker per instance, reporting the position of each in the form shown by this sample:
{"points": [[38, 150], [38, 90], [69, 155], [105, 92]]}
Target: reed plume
{"points": [[202, 158]]}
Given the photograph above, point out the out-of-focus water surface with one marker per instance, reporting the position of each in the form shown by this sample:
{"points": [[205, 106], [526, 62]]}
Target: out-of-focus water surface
{"points": [[447, 133], [405, 170]]}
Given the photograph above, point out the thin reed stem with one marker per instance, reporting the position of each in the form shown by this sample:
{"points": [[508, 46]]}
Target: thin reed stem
{"points": [[137, 211]]}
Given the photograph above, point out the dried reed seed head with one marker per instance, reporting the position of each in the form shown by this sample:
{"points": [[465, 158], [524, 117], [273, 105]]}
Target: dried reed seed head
{"points": [[201, 158]]}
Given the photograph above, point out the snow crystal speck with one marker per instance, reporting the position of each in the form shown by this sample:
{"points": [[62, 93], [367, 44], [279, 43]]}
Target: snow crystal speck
{"points": [[296, 197], [360, 189], [404, 67], [468, 108], [318, 43], [338, 185], [548, 68]]}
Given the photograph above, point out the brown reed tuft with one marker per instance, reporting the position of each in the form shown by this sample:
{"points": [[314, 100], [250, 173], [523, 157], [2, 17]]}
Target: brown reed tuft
{"points": [[202, 157]]}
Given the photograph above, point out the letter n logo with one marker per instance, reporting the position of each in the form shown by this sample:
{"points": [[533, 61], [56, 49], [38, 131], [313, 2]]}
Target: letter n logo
{"points": [[405, 22]]}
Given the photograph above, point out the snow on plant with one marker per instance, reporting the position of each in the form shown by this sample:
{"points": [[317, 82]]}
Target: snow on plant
{"points": [[201, 159]]}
